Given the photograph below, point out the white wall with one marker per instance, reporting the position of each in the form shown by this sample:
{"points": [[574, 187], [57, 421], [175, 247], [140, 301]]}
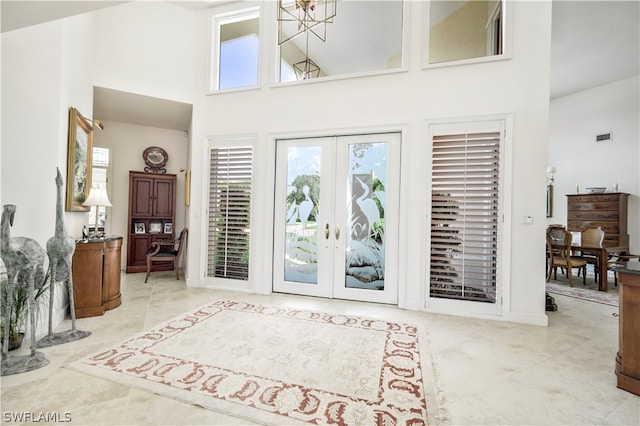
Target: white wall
{"points": [[44, 72], [126, 143], [519, 86], [146, 48], [574, 122], [159, 50]]}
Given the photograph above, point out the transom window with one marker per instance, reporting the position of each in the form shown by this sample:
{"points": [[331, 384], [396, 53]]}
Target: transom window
{"points": [[236, 49]]}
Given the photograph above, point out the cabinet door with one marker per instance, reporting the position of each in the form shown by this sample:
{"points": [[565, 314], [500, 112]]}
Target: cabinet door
{"points": [[138, 248], [111, 274], [142, 196], [87, 279], [163, 198]]}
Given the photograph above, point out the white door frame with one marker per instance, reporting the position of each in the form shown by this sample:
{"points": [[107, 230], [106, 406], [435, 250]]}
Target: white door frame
{"points": [[333, 216]]}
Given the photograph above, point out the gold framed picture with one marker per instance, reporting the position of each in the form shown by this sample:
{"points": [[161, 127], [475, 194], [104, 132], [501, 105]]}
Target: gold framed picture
{"points": [[79, 149]]}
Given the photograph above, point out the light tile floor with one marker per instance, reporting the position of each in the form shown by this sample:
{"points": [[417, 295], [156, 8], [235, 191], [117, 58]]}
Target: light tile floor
{"points": [[490, 372]]}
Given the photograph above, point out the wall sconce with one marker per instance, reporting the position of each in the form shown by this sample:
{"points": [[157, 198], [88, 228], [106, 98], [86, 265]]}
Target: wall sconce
{"points": [[550, 175]]}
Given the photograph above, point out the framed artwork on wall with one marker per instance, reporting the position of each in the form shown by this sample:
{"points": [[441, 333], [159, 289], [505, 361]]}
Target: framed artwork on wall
{"points": [[80, 146]]}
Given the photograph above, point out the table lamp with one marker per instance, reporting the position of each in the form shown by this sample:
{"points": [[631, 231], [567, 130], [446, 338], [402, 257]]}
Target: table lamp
{"points": [[97, 197]]}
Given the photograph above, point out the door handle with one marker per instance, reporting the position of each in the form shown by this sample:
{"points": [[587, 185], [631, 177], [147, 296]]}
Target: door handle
{"points": [[337, 232], [326, 232]]}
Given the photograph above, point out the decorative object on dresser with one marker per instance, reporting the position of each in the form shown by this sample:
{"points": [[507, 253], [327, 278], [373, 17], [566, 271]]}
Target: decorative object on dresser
{"points": [[596, 190], [155, 158], [152, 204], [96, 276]]}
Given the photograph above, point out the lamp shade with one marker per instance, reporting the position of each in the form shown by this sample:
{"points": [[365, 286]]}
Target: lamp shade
{"points": [[97, 197]]}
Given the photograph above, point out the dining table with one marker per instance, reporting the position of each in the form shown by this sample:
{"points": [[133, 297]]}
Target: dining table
{"points": [[602, 255]]}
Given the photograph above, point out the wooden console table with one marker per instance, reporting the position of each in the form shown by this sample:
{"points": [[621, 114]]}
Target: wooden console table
{"points": [[628, 356], [96, 276]]}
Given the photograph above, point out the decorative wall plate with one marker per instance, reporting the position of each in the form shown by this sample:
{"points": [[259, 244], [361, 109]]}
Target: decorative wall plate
{"points": [[155, 158]]}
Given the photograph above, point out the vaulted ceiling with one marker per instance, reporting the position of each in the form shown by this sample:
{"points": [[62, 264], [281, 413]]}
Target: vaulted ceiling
{"points": [[593, 43]]}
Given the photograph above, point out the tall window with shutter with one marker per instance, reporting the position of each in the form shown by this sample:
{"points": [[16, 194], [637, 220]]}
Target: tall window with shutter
{"points": [[465, 216], [230, 185]]}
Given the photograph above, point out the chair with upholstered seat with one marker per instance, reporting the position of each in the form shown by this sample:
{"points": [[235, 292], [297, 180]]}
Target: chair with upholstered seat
{"points": [[166, 251], [592, 237], [559, 254]]}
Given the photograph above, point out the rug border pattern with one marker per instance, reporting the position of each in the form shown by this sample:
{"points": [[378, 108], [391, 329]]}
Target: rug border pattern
{"points": [[583, 294], [401, 396]]}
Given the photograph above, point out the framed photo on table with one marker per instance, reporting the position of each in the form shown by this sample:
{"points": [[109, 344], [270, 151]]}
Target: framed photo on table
{"points": [[79, 149], [168, 228]]}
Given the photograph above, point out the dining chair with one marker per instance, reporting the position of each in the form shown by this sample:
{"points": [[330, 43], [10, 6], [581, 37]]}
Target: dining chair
{"points": [[592, 237], [559, 254], [620, 258], [167, 251]]}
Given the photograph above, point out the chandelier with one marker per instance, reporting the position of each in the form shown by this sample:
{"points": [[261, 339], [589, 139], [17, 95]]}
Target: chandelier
{"points": [[296, 17]]}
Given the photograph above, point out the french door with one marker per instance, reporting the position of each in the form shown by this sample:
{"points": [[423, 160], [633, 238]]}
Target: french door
{"points": [[336, 217]]}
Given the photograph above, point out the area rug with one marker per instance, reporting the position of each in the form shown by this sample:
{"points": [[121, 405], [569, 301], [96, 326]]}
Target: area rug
{"points": [[274, 365], [592, 295]]}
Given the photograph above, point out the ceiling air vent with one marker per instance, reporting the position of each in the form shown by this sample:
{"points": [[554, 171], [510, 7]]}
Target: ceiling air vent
{"points": [[605, 137]]}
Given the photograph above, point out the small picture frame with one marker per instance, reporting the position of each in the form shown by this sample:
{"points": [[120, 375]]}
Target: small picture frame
{"points": [[138, 228], [168, 228], [155, 227]]}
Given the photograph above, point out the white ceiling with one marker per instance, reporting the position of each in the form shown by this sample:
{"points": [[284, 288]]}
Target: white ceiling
{"points": [[593, 43], [125, 107]]}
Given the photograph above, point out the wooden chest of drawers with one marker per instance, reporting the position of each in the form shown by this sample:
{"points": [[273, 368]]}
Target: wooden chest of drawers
{"points": [[607, 210]]}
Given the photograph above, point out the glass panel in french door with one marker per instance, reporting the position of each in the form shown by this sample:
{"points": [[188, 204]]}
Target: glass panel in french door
{"points": [[367, 173], [302, 209], [333, 217], [366, 209]]}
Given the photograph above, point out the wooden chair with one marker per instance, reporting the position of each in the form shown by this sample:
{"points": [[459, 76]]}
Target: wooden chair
{"points": [[620, 258], [592, 237], [559, 254], [167, 251]]}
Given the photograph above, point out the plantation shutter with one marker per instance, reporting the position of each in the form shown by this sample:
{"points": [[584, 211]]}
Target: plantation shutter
{"points": [[464, 216], [229, 212]]}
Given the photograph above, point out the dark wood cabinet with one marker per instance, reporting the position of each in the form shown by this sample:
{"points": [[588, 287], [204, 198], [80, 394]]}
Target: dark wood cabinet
{"points": [[152, 205], [96, 276], [628, 356], [606, 210]]}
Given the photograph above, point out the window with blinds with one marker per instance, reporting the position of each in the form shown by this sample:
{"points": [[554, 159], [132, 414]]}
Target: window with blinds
{"points": [[229, 212], [464, 216]]}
